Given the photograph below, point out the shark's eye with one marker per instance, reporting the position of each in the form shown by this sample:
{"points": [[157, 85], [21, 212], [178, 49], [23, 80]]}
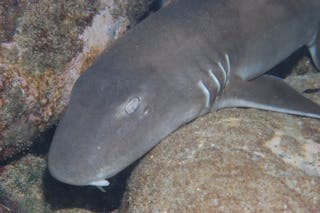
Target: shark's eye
{"points": [[133, 105]]}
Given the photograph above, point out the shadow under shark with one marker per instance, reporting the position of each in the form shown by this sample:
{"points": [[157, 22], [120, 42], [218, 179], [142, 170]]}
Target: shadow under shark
{"points": [[180, 63]]}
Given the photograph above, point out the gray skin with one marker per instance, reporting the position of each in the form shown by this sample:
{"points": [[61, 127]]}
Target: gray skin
{"points": [[183, 61]]}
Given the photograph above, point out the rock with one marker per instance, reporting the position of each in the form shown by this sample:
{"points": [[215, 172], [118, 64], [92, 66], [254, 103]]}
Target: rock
{"points": [[21, 184], [9, 12], [233, 160], [26, 186], [54, 42]]}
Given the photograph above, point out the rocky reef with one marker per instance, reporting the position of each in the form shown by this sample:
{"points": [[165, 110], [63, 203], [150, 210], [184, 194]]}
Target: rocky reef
{"points": [[228, 160]]}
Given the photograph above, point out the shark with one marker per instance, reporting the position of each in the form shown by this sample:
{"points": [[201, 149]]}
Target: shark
{"points": [[189, 58]]}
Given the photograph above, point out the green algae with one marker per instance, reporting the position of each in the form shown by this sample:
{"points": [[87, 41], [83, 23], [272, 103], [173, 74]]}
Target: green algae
{"points": [[13, 137], [22, 182], [30, 206], [2, 192], [9, 56], [13, 110], [48, 31], [24, 175]]}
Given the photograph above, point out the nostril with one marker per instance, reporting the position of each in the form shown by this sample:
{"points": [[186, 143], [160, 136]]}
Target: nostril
{"points": [[146, 111]]}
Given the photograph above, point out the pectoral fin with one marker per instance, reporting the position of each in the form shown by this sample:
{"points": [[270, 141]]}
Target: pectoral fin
{"points": [[314, 49], [268, 93]]}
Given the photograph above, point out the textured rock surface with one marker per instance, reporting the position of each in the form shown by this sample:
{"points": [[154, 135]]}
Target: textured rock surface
{"points": [[234, 160], [26, 186], [21, 183]]}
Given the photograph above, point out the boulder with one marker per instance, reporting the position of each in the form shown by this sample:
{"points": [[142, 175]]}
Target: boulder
{"points": [[233, 160]]}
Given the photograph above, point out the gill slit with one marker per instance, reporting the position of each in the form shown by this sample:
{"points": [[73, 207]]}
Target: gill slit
{"points": [[206, 92], [215, 79], [225, 71]]}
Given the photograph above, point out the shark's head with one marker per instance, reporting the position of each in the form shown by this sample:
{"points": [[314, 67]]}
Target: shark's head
{"points": [[114, 118]]}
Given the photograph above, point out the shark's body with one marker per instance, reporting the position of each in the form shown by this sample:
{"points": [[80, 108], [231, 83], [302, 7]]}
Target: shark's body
{"points": [[190, 57]]}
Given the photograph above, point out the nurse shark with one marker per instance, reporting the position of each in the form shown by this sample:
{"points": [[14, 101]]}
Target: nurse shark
{"points": [[189, 58]]}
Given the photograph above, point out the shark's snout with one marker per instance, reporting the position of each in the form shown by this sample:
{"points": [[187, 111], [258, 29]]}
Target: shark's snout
{"points": [[70, 170], [76, 154]]}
